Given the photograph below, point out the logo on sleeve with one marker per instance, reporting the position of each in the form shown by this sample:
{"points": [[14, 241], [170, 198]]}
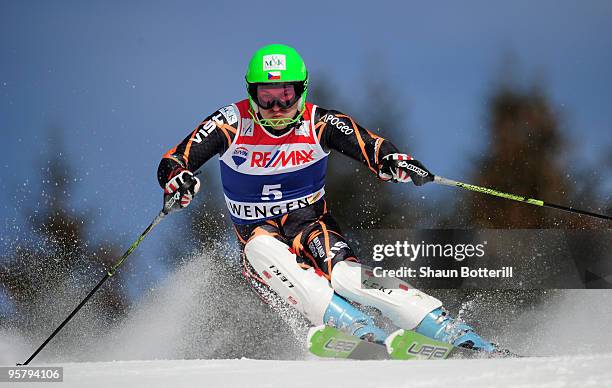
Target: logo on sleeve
{"points": [[274, 62], [206, 128], [230, 114], [336, 122]]}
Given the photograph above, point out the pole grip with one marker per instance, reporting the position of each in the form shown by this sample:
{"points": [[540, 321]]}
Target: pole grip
{"points": [[444, 181]]}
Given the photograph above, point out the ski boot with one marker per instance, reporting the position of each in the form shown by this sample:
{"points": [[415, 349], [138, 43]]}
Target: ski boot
{"points": [[348, 318], [440, 326]]}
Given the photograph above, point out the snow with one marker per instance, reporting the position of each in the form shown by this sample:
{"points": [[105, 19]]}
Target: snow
{"points": [[583, 371], [193, 328]]}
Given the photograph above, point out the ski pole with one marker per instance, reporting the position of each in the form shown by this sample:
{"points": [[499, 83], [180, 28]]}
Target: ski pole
{"points": [[168, 207], [479, 189]]}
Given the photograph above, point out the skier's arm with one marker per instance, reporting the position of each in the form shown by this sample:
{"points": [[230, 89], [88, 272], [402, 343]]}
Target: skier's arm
{"points": [[341, 132], [213, 136]]}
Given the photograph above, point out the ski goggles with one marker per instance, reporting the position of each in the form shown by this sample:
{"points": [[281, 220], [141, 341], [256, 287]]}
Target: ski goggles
{"points": [[284, 95]]}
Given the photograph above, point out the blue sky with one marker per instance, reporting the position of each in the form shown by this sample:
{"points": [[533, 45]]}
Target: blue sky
{"points": [[125, 81]]}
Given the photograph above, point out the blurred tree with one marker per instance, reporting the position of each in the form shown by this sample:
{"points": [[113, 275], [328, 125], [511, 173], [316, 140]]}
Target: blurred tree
{"points": [[527, 155], [54, 254]]}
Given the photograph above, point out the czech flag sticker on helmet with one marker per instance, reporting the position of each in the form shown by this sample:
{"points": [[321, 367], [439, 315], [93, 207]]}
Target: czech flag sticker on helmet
{"points": [[274, 75]]}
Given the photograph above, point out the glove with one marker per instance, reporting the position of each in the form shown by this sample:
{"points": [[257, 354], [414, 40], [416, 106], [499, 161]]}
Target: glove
{"points": [[186, 185], [402, 168]]}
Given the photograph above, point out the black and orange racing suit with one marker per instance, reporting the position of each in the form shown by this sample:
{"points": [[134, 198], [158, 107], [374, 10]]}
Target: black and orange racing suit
{"points": [[311, 232]]}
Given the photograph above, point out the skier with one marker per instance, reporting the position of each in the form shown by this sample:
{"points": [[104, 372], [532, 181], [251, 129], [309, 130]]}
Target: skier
{"points": [[273, 149]]}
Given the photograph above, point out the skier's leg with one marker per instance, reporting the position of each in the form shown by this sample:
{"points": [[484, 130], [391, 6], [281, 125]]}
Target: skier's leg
{"points": [[329, 252], [400, 302], [307, 290], [406, 306]]}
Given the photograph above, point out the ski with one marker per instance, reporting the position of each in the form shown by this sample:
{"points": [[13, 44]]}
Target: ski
{"points": [[410, 345], [329, 342]]}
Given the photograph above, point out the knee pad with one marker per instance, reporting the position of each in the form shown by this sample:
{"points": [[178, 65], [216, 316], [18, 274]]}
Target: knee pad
{"points": [[396, 299], [305, 290]]}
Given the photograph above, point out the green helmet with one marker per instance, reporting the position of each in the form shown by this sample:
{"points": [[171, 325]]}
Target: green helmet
{"points": [[277, 64]]}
